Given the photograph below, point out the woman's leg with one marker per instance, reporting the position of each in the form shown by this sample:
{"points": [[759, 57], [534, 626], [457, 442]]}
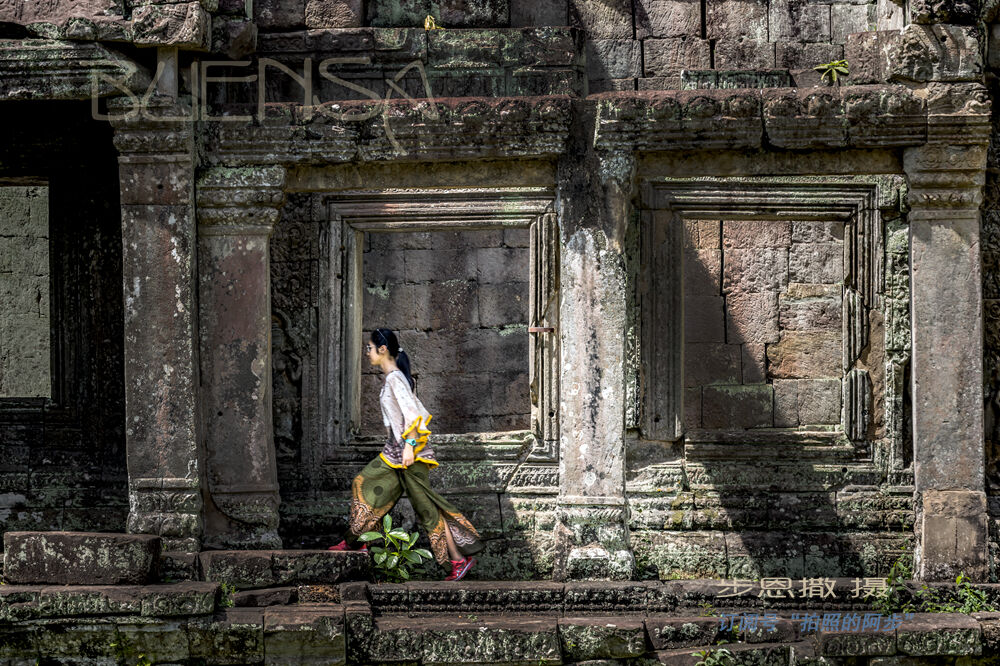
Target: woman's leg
{"points": [[452, 537], [373, 494]]}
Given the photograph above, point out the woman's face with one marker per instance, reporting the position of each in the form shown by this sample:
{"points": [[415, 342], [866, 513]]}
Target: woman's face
{"points": [[375, 354]]}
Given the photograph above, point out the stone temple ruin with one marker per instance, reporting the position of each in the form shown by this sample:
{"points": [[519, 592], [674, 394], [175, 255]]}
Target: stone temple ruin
{"points": [[685, 306]]}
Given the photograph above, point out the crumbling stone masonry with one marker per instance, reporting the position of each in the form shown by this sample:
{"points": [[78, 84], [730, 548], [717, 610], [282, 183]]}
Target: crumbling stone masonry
{"points": [[681, 307]]}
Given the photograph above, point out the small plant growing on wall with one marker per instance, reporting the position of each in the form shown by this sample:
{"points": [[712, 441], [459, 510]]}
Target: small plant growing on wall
{"points": [[831, 71], [396, 556]]}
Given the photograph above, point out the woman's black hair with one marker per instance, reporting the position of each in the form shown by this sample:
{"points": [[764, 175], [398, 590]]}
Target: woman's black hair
{"points": [[385, 336]]}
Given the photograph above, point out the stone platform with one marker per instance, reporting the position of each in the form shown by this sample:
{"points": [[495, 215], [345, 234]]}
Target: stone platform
{"points": [[439, 623]]}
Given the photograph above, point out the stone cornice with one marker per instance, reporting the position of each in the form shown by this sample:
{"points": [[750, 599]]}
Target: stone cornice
{"points": [[448, 129], [51, 70], [877, 116]]}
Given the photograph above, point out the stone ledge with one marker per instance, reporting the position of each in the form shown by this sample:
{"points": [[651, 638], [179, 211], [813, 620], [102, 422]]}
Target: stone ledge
{"points": [[80, 558], [248, 569], [23, 602]]}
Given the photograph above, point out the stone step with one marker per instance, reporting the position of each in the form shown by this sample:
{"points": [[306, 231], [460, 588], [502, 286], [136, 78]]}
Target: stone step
{"points": [[31, 602], [80, 558], [254, 569]]}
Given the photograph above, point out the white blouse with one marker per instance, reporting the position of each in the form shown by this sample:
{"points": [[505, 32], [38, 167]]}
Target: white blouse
{"points": [[402, 410]]}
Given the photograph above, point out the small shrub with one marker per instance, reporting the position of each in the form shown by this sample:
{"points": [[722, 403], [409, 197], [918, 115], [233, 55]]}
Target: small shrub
{"points": [[831, 70], [396, 557]]}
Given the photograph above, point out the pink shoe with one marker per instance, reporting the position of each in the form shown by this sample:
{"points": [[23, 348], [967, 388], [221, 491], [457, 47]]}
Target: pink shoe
{"points": [[460, 567], [343, 546]]}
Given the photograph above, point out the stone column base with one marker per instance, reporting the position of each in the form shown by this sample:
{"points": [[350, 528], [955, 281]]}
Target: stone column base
{"points": [[592, 543], [953, 532]]}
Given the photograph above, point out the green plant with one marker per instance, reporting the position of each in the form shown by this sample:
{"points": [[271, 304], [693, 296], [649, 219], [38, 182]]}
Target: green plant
{"points": [[707, 610], [395, 558], [832, 70], [965, 599], [895, 597], [719, 657], [228, 590]]}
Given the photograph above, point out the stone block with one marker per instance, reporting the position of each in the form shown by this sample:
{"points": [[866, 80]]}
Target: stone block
{"points": [[934, 53], [669, 632], [711, 363], [737, 407], [602, 20], [274, 596], [728, 19], [806, 307], [333, 14], [454, 641], [939, 634], [945, 11], [855, 643], [756, 233], [703, 272], [80, 558], [846, 19], [816, 263], [595, 86], [162, 642], [584, 638], [613, 58], [604, 597], [806, 55], [757, 269], [744, 53], [806, 355], [247, 569], [398, 13], [502, 304], [305, 635], [754, 363], [662, 57], [684, 554], [532, 13], [806, 402], [799, 22], [954, 529], [667, 18], [752, 317], [176, 566], [473, 13], [704, 320], [234, 636], [818, 231], [183, 24], [702, 234]]}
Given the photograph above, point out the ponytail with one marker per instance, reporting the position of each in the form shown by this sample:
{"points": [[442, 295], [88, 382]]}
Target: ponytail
{"points": [[385, 336]]}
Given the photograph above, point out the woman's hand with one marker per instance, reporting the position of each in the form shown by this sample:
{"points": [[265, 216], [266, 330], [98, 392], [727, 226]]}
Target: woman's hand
{"points": [[408, 455]]}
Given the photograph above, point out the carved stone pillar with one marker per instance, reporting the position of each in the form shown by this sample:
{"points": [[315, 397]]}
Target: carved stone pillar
{"points": [[595, 208], [237, 209], [156, 172], [946, 178]]}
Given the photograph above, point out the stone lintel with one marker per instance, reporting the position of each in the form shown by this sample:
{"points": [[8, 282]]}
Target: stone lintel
{"points": [[53, 70], [80, 558]]}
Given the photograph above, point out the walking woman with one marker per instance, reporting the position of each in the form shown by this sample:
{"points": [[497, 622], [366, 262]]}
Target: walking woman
{"points": [[403, 466]]}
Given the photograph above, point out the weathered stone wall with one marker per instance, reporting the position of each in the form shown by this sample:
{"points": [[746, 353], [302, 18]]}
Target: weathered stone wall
{"points": [[24, 292], [762, 324], [62, 459], [459, 303], [990, 238]]}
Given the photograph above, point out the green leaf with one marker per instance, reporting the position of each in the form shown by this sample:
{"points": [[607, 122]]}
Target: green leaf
{"points": [[400, 534], [369, 536], [411, 556], [403, 573], [387, 522], [381, 557], [413, 539], [377, 549], [423, 552], [393, 561]]}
